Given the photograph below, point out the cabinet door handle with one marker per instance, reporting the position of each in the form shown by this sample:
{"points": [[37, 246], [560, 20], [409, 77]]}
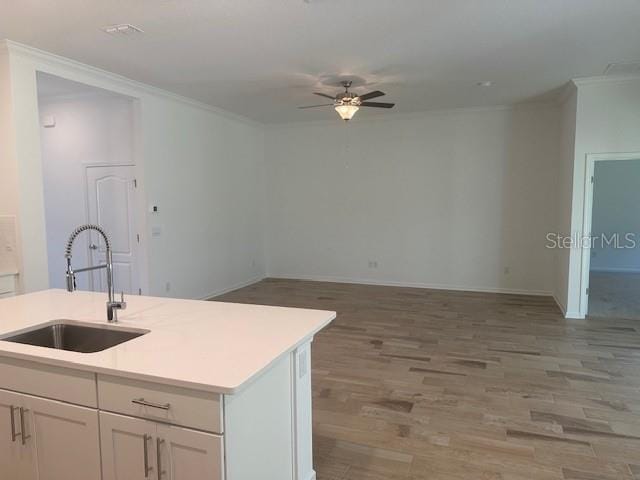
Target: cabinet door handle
{"points": [[147, 468], [146, 403], [159, 443], [14, 435], [25, 437]]}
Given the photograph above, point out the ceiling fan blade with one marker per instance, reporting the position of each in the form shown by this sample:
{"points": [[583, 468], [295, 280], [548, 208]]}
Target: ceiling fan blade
{"points": [[377, 104], [369, 95], [324, 95], [314, 106]]}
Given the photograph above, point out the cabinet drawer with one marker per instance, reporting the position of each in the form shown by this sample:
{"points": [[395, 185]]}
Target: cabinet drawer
{"points": [[175, 405], [57, 383]]}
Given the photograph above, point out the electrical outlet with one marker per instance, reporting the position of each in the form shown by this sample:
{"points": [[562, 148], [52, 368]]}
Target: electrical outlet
{"points": [[373, 264], [167, 287]]}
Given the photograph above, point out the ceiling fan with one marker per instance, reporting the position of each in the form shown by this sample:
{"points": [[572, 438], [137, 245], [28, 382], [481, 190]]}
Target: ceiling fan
{"points": [[348, 103]]}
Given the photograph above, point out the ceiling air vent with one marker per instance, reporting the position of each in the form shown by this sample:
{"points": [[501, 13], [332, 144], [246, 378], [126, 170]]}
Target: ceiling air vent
{"points": [[623, 69], [122, 29]]}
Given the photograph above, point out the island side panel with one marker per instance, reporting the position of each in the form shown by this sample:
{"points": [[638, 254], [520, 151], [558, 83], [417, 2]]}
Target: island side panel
{"points": [[259, 438], [302, 414]]}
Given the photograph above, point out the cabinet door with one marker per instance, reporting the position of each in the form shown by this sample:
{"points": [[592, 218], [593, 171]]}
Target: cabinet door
{"points": [[128, 447], [185, 454], [65, 439], [16, 457]]}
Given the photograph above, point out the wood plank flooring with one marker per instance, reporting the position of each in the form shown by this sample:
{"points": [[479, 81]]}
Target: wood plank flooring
{"points": [[425, 384]]}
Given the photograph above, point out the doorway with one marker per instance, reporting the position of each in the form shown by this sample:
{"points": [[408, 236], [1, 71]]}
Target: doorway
{"points": [[612, 208], [89, 173]]}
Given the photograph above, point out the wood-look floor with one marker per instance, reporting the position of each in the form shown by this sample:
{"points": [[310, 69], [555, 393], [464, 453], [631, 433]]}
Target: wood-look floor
{"points": [[425, 384]]}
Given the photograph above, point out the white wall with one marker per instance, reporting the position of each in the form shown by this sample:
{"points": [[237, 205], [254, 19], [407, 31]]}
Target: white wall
{"points": [[90, 129], [608, 115], [445, 199], [616, 210], [9, 205], [206, 174], [201, 166], [564, 185], [22, 187]]}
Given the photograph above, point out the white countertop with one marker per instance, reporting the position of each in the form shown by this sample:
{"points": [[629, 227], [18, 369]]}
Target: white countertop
{"points": [[212, 346]]}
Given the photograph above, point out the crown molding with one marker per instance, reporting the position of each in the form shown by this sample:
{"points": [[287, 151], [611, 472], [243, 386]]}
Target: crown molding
{"points": [[604, 79], [130, 87]]}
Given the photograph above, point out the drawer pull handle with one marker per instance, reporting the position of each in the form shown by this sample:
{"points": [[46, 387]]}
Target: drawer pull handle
{"points": [[14, 435], [159, 443], [147, 468], [25, 437], [146, 403]]}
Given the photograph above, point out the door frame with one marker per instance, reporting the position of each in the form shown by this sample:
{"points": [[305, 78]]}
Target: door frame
{"points": [[587, 219], [138, 213]]}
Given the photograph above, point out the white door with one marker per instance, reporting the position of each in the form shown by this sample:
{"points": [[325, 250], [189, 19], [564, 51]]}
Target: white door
{"points": [[128, 447], [111, 204], [16, 457], [65, 439], [187, 455]]}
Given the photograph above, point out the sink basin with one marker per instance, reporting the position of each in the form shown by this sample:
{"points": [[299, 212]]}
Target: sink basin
{"points": [[75, 336]]}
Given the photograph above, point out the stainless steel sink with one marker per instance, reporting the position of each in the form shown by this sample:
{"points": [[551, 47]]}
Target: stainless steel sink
{"points": [[75, 336]]}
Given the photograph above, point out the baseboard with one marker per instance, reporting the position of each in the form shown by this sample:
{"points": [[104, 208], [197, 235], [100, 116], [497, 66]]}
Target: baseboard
{"points": [[560, 306], [233, 287], [311, 476], [434, 286], [616, 270]]}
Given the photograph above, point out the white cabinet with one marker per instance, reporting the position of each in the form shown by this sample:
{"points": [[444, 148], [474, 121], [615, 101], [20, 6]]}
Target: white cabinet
{"points": [[62, 434], [43, 439], [187, 454], [136, 449], [16, 454], [101, 427], [128, 450]]}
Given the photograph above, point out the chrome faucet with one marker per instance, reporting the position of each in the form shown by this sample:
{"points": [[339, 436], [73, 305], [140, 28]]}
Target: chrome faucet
{"points": [[112, 305]]}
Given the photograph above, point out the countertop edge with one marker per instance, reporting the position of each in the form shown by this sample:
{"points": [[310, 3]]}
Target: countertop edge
{"points": [[165, 380]]}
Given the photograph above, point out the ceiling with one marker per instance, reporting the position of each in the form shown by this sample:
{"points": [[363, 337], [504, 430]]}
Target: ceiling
{"points": [[262, 58]]}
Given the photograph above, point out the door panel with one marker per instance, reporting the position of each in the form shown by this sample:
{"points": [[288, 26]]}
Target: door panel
{"points": [[123, 441], [16, 460], [186, 454], [65, 439], [111, 204]]}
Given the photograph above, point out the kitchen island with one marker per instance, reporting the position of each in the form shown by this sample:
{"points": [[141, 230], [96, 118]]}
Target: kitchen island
{"points": [[204, 390]]}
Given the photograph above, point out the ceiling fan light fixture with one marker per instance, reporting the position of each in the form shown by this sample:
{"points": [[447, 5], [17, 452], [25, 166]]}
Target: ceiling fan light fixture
{"points": [[346, 111]]}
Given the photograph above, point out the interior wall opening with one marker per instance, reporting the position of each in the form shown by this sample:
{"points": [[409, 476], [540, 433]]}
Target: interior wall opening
{"points": [[614, 266], [89, 176]]}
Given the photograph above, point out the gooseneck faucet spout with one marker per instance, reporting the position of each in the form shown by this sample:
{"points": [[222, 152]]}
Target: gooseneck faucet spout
{"points": [[112, 305]]}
